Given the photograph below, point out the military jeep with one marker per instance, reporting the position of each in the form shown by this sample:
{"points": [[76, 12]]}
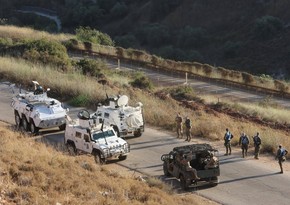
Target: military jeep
{"points": [[198, 155]]}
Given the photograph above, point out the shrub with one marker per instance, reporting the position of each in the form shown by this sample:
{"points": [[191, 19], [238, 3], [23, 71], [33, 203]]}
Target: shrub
{"points": [[47, 52], [279, 85], [90, 67], [182, 92], [207, 69], [267, 27], [143, 82], [88, 45], [231, 49], [120, 52], [224, 72], [86, 34], [80, 101], [127, 41], [247, 78]]}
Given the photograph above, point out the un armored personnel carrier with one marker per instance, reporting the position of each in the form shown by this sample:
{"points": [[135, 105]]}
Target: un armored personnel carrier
{"points": [[88, 135], [126, 120], [201, 157], [35, 110]]}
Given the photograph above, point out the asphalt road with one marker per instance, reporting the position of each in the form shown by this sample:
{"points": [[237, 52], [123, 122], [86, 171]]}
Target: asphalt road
{"points": [[221, 91], [242, 181]]}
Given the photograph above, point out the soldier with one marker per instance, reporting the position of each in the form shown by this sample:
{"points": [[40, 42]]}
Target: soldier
{"points": [[257, 145], [188, 129], [228, 136], [178, 121], [244, 142], [281, 153], [185, 161]]}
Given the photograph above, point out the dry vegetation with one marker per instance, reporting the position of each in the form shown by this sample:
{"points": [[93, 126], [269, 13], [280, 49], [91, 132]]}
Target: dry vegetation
{"points": [[159, 111], [16, 33], [34, 173]]}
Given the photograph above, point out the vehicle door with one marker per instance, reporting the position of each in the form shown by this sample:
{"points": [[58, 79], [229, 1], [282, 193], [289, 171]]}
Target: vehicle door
{"points": [[79, 140], [87, 145]]}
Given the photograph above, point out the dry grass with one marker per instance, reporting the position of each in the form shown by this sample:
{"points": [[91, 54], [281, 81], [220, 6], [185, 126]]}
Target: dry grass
{"points": [[158, 112], [16, 33], [33, 173], [265, 109]]}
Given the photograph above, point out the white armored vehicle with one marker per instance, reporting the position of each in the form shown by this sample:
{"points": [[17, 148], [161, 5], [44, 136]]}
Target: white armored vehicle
{"points": [[126, 120], [35, 110], [87, 135]]}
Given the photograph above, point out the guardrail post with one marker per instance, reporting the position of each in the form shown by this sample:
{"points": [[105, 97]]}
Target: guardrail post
{"points": [[185, 79]]}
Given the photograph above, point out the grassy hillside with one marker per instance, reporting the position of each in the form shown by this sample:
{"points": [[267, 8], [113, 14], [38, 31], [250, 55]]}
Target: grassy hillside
{"points": [[248, 35], [33, 173]]}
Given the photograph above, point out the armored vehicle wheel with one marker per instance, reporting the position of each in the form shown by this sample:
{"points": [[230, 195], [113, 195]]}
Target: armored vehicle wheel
{"points": [[17, 119], [71, 149], [137, 134], [124, 157], [98, 158], [62, 127], [33, 128], [25, 124], [183, 183], [165, 169]]}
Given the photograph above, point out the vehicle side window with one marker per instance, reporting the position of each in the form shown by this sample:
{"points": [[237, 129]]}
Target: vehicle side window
{"points": [[78, 134], [106, 115], [86, 138]]}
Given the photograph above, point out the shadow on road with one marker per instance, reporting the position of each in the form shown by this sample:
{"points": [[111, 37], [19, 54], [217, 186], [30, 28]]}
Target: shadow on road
{"points": [[175, 184], [248, 177]]}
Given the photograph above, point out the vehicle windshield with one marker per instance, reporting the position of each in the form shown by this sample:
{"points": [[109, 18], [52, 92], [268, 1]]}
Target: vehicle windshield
{"points": [[102, 135]]}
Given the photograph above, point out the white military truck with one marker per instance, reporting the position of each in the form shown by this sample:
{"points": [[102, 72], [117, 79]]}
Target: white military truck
{"points": [[126, 120], [87, 135], [35, 110]]}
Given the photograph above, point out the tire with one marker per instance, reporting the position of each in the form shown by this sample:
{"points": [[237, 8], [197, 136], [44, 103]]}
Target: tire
{"points": [[165, 169], [98, 159], [33, 128], [184, 185], [62, 127], [122, 158], [216, 181], [71, 149], [137, 133], [25, 123], [17, 119]]}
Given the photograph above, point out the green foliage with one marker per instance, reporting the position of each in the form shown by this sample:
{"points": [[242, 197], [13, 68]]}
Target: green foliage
{"points": [[154, 35], [267, 27], [91, 67], [231, 49], [119, 10], [80, 101], [182, 92], [141, 81], [191, 37], [127, 41], [47, 52], [86, 34]]}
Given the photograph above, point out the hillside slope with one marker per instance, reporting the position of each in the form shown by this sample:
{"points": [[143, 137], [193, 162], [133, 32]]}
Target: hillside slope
{"points": [[34, 173], [250, 35]]}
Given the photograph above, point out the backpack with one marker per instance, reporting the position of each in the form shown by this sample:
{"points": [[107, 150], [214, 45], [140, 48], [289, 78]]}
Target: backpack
{"points": [[257, 140], [188, 123], [245, 140]]}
